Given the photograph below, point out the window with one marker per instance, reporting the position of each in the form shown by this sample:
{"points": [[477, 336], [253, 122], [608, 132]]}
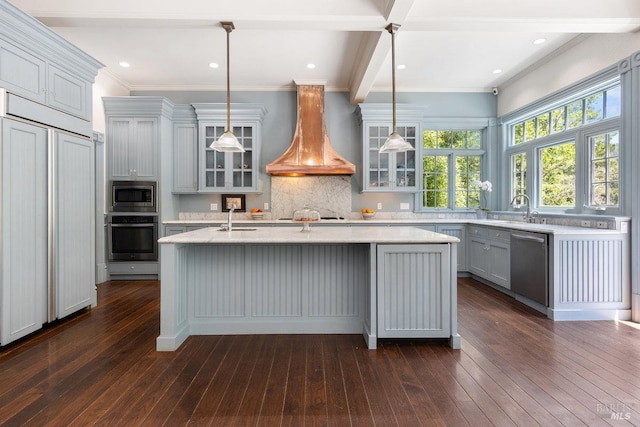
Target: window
{"points": [[566, 156], [558, 175], [583, 111], [604, 170], [518, 174], [451, 161]]}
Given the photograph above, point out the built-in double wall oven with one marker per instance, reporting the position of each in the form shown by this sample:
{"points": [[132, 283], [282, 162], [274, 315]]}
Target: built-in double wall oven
{"points": [[132, 227]]}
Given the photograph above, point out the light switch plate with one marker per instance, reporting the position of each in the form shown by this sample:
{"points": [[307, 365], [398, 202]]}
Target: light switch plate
{"points": [[214, 206], [404, 206]]}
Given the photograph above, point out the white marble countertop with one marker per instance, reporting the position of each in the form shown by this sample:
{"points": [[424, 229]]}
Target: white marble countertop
{"points": [[515, 225], [325, 234]]}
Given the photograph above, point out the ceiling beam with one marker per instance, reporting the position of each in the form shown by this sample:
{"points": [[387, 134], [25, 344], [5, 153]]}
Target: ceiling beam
{"points": [[374, 48]]}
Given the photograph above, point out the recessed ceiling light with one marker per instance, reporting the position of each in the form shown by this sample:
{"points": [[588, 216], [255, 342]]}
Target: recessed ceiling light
{"points": [[311, 66], [213, 64], [125, 64], [539, 41], [401, 67], [497, 71]]}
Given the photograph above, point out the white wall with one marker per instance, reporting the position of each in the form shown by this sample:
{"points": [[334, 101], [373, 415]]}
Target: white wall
{"points": [[105, 85], [566, 66]]}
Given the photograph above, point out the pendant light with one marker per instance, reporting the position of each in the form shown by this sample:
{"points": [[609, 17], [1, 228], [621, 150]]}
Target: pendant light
{"points": [[394, 143], [228, 141]]}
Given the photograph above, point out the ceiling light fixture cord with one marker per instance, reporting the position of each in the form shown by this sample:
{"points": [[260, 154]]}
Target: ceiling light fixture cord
{"points": [[228, 27], [394, 143], [228, 141]]}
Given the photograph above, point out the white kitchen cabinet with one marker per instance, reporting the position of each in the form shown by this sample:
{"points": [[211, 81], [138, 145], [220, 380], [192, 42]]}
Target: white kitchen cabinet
{"points": [[185, 158], [459, 231], [414, 291], [24, 229], [74, 231], [32, 77], [229, 172], [389, 172], [132, 148], [489, 254], [48, 240]]}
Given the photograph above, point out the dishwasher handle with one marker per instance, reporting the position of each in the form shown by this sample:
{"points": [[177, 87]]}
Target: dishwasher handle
{"points": [[528, 238]]}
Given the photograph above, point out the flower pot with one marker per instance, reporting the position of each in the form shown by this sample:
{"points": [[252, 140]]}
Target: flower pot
{"points": [[481, 213]]}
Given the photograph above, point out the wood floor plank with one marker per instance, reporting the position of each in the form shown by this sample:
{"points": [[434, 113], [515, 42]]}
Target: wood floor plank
{"points": [[515, 367]]}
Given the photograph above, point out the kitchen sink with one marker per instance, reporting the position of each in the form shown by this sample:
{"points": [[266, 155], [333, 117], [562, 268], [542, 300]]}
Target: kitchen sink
{"points": [[238, 229]]}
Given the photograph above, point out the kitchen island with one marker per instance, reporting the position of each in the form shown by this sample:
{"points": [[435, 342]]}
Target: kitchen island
{"points": [[382, 282]]}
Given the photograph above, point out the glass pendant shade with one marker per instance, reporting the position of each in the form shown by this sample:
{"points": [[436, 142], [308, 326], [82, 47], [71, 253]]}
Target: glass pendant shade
{"points": [[395, 144], [228, 141]]}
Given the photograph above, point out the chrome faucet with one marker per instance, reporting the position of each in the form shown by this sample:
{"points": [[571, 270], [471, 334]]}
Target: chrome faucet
{"points": [[230, 217], [527, 214]]}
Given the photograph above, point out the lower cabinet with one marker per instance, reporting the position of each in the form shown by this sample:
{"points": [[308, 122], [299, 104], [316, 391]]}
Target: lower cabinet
{"points": [[414, 291], [459, 231], [489, 254]]}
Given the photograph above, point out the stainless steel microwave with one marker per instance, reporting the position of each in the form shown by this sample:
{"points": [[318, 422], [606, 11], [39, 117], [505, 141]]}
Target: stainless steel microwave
{"points": [[133, 196]]}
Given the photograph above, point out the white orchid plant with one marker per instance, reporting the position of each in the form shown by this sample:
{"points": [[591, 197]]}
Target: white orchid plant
{"points": [[485, 187]]}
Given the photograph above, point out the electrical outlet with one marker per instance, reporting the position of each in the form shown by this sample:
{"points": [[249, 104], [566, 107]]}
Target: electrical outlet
{"points": [[214, 206], [379, 206], [601, 224], [585, 223], [265, 207], [404, 206]]}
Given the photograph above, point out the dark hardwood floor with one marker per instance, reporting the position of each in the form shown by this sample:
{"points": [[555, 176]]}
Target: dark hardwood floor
{"points": [[515, 367]]}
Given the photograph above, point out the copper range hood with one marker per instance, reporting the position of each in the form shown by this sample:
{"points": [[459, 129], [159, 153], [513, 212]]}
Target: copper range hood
{"points": [[310, 152]]}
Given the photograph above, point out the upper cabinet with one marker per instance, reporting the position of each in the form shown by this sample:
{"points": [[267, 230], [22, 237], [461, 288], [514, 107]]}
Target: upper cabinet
{"points": [[184, 153], [389, 172], [131, 144], [134, 135], [39, 65], [222, 172]]}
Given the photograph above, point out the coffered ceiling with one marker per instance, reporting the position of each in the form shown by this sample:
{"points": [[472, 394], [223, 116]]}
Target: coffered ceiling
{"points": [[445, 46]]}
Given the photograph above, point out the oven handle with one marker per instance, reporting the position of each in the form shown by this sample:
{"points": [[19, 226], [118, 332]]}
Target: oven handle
{"points": [[132, 225]]}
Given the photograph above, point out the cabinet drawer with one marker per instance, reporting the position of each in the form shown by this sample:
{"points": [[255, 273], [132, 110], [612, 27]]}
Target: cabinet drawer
{"points": [[133, 268], [478, 231], [499, 234]]}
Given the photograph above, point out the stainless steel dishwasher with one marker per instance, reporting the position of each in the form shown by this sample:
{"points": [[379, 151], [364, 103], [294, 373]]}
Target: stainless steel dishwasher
{"points": [[529, 266]]}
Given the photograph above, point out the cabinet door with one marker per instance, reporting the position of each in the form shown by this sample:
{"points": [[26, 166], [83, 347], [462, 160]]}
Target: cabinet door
{"points": [[478, 263], [459, 231], [74, 236], [414, 291], [499, 264], [228, 171], [185, 158], [143, 150], [376, 167], [119, 138], [68, 93], [389, 171], [22, 73], [131, 147], [23, 230], [212, 163]]}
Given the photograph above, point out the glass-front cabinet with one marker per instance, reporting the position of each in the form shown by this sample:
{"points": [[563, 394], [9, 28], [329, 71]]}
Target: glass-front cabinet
{"points": [[220, 171], [229, 171], [389, 172]]}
